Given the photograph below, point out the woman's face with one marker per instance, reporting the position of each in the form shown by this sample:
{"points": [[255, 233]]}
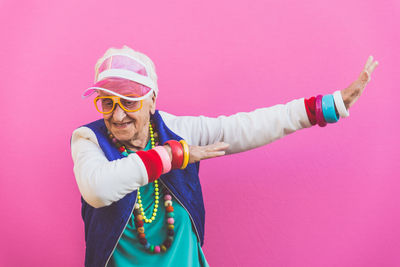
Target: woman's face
{"points": [[129, 126]]}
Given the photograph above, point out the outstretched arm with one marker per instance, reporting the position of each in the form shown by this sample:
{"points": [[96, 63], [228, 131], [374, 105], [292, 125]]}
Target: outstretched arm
{"points": [[248, 130]]}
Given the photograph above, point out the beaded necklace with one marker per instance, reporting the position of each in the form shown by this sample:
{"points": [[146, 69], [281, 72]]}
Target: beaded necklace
{"points": [[138, 211]]}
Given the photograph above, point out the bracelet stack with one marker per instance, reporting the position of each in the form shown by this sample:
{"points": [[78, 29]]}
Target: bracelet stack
{"points": [[180, 153], [325, 109]]}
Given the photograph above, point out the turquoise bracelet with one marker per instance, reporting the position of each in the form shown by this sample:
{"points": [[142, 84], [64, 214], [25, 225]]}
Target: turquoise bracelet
{"points": [[328, 109]]}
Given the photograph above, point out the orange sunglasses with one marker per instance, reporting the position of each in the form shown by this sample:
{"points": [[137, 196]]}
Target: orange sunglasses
{"points": [[106, 104]]}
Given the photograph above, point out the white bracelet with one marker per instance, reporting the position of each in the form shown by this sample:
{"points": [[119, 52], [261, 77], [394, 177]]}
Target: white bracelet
{"points": [[343, 112]]}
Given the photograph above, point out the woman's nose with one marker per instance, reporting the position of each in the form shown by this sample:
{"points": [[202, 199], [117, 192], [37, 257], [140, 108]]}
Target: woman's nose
{"points": [[118, 114]]}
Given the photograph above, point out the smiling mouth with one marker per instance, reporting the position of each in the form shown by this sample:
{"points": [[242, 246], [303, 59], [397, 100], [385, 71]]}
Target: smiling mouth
{"points": [[122, 125]]}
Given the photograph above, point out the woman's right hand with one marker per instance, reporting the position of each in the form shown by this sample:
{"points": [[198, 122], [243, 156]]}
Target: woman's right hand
{"points": [[197, 153], [353, 92]]}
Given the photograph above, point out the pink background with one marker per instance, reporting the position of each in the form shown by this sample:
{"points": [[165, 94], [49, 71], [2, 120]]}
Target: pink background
{"points": [[319, 197]]}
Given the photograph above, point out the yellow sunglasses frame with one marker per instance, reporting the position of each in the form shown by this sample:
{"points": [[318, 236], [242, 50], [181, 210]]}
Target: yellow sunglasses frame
{"points": [[117, 100]]}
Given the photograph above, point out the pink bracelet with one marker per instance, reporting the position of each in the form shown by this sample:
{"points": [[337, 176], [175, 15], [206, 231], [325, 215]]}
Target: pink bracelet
{"points": [[318, 112], [166, 161]]}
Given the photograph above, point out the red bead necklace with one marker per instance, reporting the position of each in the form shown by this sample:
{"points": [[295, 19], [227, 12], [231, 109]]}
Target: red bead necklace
{"points": [[138, 212]]}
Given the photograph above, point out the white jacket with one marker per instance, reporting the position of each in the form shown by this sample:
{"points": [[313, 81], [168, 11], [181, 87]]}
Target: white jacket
{"points": [[101, 182]]}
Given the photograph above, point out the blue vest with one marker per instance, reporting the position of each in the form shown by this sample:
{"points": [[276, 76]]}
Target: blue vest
{"points": [[104, 226]]}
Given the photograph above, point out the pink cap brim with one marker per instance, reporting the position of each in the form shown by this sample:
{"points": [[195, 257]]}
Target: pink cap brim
{"points": [[120, 87]]}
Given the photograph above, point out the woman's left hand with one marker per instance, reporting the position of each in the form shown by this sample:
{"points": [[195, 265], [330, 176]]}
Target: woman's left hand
{"points": [[197, 153], [351, 94]]}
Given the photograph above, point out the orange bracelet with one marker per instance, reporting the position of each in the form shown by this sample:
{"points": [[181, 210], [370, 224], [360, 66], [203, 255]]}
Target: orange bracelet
{"points": [[185, 154]]}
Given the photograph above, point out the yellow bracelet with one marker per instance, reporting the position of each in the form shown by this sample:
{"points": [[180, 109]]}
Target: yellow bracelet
{"points": [[185, 154]]}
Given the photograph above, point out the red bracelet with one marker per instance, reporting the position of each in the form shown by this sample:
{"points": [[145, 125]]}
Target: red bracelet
{"points": [[310, 108], [177, 153]]}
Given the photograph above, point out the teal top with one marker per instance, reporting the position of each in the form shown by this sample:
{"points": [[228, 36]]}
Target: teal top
{"points": [[185, 250]]}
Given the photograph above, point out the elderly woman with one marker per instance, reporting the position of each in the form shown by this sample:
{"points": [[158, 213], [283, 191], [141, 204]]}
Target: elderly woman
{"points": [[137, 167]]}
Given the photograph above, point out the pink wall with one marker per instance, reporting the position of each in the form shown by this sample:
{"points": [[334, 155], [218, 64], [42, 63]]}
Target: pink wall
{"points": [[320, 197]]}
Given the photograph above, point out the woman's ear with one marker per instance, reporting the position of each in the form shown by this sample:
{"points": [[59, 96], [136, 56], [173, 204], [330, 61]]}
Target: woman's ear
{"points": [[153, 104]]}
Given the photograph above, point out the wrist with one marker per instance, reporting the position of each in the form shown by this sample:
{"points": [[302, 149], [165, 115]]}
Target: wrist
{"points": [[346, 99], [165, 158], [340, 105], [169, 150]]}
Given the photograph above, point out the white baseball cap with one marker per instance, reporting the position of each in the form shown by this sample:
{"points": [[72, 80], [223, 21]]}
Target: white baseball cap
{"points": [[124, 70]]}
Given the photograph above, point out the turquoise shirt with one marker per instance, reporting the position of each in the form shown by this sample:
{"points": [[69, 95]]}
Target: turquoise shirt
{"points": [[185, 250]]}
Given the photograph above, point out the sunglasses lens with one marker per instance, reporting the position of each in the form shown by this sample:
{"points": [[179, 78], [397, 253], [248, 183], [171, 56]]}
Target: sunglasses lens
{"points": [[104, 104], [130, 105]]}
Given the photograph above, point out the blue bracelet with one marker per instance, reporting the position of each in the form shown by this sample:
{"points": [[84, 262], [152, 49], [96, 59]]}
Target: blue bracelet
{"points": [[328, 109]]}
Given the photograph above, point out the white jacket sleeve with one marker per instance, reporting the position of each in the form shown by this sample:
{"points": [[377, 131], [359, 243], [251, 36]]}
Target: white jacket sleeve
{"points": [[244, 130], [102, 182]]}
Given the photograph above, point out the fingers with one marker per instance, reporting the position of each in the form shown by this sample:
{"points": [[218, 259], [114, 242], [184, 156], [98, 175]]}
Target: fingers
{"points": [[372, 67], [215, 150], [209, 151], [369, 67], [214, 154], [369, 61], [217, 147]]}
